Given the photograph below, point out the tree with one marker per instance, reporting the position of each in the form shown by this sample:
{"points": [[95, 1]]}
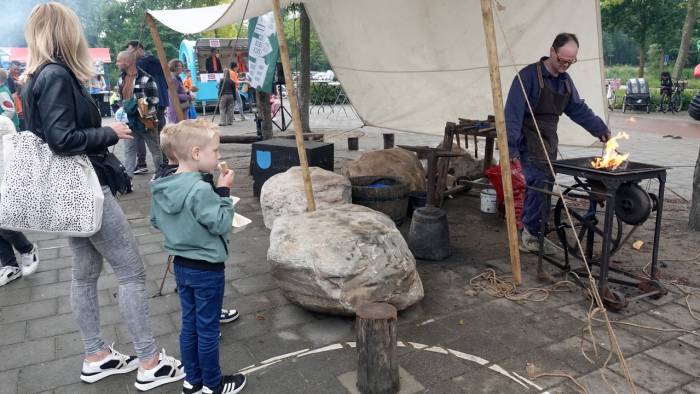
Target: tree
{"points": [[642, 20], [688, 27], [694, 219]]}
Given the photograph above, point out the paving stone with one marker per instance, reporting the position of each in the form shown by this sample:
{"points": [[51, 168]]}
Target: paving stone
{"points": [[151, 248], [27, 353], [150, 238], [290, 315], [247, 326], [53, 263], [253, 284], [50, 374], [53, 243], [629, 342], [330, 330], [233, 356], [53, 290], [27, 311], [407, 383], [679, 355], [265, 346], [645, 319], [51, 326], [693, 388], [595, 384], [12, 296], [38, 278], [676, 315], [653, 375], [72, 344], [9, 381], [248, 304], [161, 325], [276, 297], [691, 339], [12, 332], [156, 258]]}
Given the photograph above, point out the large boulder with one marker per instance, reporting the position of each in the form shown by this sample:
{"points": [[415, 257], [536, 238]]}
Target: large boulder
{"points": [[333, 260], [283, 194], [394, 162]]}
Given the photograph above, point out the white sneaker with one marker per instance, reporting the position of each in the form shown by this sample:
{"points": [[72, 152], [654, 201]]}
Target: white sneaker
{"points": [[168, 370], [8, 274], [531, 243], [29, 261], [228, 315], [115, 363]]}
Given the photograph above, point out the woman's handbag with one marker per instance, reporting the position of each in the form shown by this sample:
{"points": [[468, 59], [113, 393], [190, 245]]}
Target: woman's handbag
{"points": [[45, 192]]}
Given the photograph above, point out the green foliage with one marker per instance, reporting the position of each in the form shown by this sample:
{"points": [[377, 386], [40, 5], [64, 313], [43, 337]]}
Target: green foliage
{"points": [[626, 72], [323, 93], [318, 60]]}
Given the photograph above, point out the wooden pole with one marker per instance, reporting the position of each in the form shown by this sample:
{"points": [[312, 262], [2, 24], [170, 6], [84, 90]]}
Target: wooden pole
{"points": [[378, 365], [492, 50], [294, 105], [172, 90]]}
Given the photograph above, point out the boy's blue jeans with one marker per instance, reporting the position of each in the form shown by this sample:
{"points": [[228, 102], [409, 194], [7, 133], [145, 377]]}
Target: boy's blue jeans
{"points": [[201, 295]]}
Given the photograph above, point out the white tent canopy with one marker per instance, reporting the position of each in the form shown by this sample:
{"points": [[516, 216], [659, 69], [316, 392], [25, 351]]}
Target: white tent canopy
{"points": [[414, 65]]}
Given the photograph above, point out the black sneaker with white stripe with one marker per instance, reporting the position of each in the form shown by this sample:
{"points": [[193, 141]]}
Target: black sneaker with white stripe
{"points": [[228, 315], [230, 384], [115, 363], [168, 370]]}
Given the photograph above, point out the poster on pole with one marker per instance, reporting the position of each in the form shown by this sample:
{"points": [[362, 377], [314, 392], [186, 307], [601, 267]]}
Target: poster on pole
{"points": [[263, 52]]}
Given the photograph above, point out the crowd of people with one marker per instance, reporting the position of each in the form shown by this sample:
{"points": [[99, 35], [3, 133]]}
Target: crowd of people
{"points": [[193, 210]]}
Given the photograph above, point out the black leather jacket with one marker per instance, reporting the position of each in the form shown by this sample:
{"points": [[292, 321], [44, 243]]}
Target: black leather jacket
{"points": [[66, 117]]}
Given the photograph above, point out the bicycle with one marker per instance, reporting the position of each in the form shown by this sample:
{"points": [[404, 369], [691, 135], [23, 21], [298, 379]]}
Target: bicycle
{"points": [[672, 97]]}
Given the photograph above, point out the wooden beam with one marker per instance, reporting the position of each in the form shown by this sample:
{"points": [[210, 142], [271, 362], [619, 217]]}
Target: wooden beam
{"points": [[172, 90], [294, 105], [497, 95]]}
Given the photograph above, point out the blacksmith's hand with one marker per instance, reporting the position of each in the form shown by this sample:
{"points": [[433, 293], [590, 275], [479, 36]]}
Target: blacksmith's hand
{"points": [[122, 130], [605, 137]]}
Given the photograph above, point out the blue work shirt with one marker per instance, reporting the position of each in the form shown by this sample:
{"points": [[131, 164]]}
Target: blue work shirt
{"points": [[151, 65], [516, 108]]}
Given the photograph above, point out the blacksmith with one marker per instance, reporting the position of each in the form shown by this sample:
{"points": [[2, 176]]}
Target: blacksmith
{"points": [[551, 92]]}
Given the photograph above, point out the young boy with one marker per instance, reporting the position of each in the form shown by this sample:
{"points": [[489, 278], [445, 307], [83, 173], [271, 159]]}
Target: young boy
{"points": [[169, 168], [195, 220]]}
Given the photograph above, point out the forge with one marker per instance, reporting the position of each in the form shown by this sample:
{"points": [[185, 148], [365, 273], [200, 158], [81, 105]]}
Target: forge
{"points": [[618, 195]]}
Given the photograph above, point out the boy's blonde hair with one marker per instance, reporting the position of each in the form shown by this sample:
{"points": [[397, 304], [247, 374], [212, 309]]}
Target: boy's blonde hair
{"points": [[185, 135], [166, 141]]}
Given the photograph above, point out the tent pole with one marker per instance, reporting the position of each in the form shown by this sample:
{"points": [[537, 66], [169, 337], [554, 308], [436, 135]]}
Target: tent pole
{"points": [[492, 50], [172, 91], [294, 105]]}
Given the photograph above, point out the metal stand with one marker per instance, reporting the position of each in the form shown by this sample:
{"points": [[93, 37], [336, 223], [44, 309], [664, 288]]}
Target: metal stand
{"points": [[285, 124]]}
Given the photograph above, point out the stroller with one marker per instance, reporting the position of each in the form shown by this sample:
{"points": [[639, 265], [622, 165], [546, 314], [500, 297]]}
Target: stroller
{"points": [[637, 95]]}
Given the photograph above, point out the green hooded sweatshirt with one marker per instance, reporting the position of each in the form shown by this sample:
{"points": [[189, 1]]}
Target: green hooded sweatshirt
{"points": [[193, 218]]}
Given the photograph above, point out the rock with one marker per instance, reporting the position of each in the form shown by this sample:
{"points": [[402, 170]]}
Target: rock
{"points": [[394, 162], [465, 166], [363, 259], [283, 194]]}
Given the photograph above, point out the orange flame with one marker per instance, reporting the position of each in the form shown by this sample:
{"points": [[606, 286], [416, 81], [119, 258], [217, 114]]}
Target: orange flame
{"points": [[611, 159]]}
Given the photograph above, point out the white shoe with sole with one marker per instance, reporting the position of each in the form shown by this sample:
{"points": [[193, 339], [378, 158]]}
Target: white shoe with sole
{"points": [[114, 364], [168, 370], [9, 273], [29, 261]]}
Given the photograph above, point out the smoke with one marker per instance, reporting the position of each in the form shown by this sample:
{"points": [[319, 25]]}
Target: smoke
{"points": [[16, 12]]}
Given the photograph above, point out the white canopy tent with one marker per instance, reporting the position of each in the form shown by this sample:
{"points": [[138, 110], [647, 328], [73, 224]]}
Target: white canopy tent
{"points": [[414, 65]]}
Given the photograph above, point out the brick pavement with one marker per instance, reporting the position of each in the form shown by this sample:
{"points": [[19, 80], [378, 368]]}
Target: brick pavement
{"points": [[40, 348]]}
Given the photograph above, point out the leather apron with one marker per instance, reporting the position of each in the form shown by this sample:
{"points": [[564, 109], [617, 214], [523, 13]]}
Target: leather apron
{"points": [[549, 108]]}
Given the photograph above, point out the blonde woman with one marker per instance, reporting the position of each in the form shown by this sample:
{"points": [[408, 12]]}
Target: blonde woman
{"points": [[60, 110]]}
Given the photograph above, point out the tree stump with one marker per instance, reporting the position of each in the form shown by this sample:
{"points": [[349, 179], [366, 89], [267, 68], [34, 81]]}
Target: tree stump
{"points": [[378, 366]]}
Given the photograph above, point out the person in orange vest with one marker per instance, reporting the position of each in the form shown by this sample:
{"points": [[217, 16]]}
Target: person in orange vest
{"points": [[234, 76], [213, 64]]}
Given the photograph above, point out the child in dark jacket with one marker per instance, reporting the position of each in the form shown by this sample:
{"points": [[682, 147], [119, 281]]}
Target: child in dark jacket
{"points": [[195, 220]]}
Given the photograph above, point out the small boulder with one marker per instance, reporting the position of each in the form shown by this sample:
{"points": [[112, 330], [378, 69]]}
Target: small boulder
{"points": [[283, 194], [466, 166], [332, 260], [394, 162]]}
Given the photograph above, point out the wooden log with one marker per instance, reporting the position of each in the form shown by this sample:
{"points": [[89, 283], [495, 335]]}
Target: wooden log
{"points": [[294, 105], [497, 96], [378, 365], [172, 90]]}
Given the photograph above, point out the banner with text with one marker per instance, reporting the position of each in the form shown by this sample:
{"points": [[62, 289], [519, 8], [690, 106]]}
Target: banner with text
{"points": [[263, 52]]}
